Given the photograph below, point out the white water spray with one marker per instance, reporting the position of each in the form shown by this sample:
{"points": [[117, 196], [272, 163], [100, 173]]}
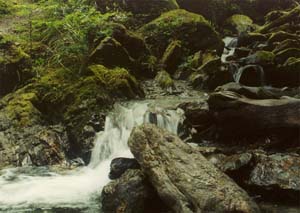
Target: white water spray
{"points": [[44, 189]]}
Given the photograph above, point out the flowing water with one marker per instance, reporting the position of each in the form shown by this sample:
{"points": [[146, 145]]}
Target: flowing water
{"points": [[230, 45], [39, 189]]}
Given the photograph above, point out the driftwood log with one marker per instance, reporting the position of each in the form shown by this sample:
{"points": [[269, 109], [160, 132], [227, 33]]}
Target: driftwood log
{"points": [[183, 178]]}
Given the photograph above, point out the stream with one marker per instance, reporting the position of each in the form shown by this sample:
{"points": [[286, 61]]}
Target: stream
{"points": [[43, 189]]}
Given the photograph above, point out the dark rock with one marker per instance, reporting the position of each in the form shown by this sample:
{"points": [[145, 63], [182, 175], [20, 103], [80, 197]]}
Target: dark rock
{"points": [[36, 145], [172, 57], [251, 75], [281, 36], [119, 166], [15, 66], [241, 52], [111, 54], [277, 176], [184, 179], [131, 193], [282, 56], [246, 39]]}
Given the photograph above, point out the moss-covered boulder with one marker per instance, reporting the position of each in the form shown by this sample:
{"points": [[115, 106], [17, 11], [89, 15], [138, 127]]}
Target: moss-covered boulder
{"points": [[111, 53], [286, 44], [164, 80], [194, 32], [239, 24], [15, 68], [172, 57], [143, 11]]}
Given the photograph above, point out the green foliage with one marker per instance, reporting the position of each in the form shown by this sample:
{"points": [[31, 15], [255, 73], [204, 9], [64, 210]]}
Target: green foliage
{"points": [[5, 8]]}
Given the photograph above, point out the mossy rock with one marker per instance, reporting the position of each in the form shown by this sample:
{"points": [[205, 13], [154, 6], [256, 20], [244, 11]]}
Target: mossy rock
{"points": [[261, 57], [284, 55], [281, 36], [239, 24], [172, 57], [111, 53], [15, 66], [273, 15], [19, 109], [193, 30], [164, 80]]}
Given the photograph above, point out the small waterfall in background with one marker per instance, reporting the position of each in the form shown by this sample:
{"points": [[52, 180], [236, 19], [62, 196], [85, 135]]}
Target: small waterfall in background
{"points": [[230, 45], [32, 188]]}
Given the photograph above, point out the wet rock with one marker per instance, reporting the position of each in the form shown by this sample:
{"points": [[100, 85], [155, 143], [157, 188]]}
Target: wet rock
{"points": [[172, 57], [281, 36], [194, 31], [184, 179], [119, 166], [131, 193], [286, 44], [277, 176], [36, 145]]}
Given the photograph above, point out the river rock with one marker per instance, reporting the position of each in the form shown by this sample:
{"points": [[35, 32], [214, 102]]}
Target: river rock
{"points": [[118, 166], [131, 193], [34, 146], [184, 179]]}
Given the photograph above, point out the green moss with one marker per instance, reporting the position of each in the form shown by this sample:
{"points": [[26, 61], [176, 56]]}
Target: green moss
{"points": [[265, 56], [20, 110], [239, 23], [193, 30], [5, 8], [164, 80]]}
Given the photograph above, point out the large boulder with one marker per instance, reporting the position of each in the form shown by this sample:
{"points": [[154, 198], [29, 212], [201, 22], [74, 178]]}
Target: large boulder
{"points": [[183, 178], [119, 166], [194, 32]]}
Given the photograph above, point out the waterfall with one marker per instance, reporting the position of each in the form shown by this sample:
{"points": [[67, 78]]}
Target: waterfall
{"points": [[22, 188], [230, 45]]}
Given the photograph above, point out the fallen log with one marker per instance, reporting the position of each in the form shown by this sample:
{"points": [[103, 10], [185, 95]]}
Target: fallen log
{"points": [[183, 178], [235, 114]]}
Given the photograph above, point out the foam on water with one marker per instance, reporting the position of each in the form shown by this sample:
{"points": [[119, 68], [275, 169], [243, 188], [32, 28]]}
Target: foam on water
{"points": [[44, 189]]}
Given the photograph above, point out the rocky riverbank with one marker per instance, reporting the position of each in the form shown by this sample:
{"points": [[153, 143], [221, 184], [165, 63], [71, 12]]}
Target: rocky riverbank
{"points": [[235, 66]]}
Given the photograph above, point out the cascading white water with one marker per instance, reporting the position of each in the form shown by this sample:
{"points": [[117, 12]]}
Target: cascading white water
{"points": [[41, 188], [230, 45]]}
